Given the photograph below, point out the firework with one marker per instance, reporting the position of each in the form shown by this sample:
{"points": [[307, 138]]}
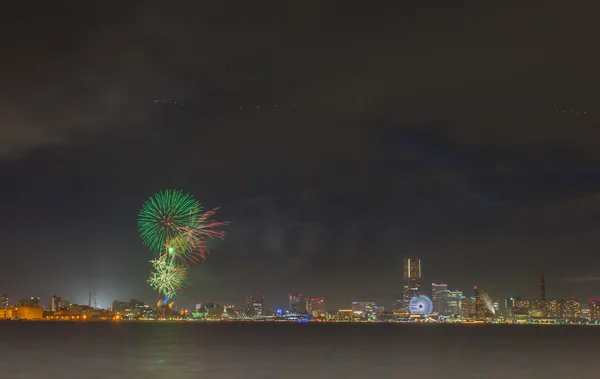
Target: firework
{"points": [[195, 236], [168, 276], [164, 214]]}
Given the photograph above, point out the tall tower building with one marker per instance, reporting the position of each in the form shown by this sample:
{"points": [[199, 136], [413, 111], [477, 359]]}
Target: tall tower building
{"points": [[412, 269], [295, 303], [34, 301], [412, 279], [55, 303], [255, 305], [4, 301], [315, 306], [542, 285], [437, 292]]}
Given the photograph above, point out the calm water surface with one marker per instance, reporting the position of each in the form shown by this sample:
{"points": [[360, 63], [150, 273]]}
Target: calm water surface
{"points": [[246, 351]]}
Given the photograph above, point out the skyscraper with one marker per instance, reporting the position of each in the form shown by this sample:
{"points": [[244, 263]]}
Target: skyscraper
{"points": [[295, 303], [412, 276], [315, 306], [4, 301], [595, 310], [412, 269], [255, 305], [54, 304], [436, 295], [34, 301], [510, 303], [449, 302]]}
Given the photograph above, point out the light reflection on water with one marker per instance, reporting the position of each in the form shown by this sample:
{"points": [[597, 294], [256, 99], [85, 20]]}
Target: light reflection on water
{"points": [[194, 350]]}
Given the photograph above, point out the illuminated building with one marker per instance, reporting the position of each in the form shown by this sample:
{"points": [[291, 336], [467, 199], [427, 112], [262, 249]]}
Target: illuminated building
{"points": [[468, 307], [450, 303], [364, 309], [119, 306], [476, 291], [255, 306], [229, 311], [510, 303], [412, 276], [412, 269], [295, 303], [552, 309], [28, 313], [6, 313], [585, 314], [345, 314], [569, 309], [4, 301], [34, 301], [538, 308], [595, 310], [54, 303], [315, 306], [436, 297]]}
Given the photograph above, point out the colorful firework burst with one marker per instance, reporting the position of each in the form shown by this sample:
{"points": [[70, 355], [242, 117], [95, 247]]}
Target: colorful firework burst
{"points": [[196, 236], [164, 214], [175, 228], [168, 276]]}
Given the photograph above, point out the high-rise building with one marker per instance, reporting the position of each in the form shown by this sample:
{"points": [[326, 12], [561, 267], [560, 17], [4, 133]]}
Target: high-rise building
{"points": [[54, 303], [449, 302], [595, 310], [4, 301], [295, 303], [542, 285], [510, 303], [412, 279], [412, 269], [468, 307], [436, 296], [34, 301], [255, 306], [315, 306]]}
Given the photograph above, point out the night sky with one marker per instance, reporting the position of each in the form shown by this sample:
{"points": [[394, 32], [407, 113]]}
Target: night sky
{"points": [[386, 130]]}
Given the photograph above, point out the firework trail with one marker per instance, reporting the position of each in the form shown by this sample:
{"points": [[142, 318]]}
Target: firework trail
{"points": [[196, 236]]}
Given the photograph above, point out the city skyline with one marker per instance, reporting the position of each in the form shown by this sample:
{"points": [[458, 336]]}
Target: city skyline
{"points": [[297, 301]]}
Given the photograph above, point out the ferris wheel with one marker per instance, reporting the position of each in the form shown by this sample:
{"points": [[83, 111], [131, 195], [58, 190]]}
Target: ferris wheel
{"points": [[420, 305]]}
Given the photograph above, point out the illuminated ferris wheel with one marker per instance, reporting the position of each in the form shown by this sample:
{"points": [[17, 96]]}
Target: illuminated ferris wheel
{"points": [[420, 305]]}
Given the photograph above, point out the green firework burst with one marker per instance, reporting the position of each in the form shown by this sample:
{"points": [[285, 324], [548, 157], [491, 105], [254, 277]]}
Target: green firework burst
{"points": [[163, 214], [168, 276]]}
